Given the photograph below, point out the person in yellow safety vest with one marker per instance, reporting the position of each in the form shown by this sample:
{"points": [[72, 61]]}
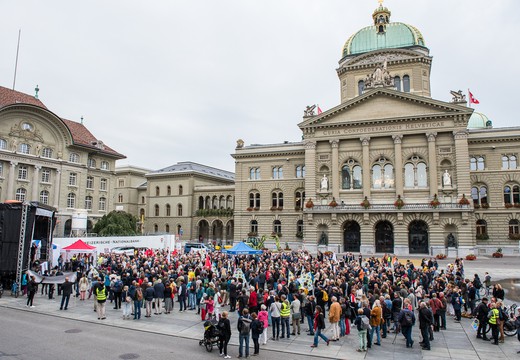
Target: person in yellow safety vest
{"points": [[101, 298], [285, 314], [493, 322]]}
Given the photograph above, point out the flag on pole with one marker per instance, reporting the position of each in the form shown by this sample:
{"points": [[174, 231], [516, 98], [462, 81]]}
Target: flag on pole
{"points": [[472, 99], [319, 110]]}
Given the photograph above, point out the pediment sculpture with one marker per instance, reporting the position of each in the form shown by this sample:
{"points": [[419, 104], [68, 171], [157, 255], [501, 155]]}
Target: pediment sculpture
{"points": [[309, 111], [458, 96]]}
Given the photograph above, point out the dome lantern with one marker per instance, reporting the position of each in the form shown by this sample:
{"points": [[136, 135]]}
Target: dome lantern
{"points": [[381, 18]]}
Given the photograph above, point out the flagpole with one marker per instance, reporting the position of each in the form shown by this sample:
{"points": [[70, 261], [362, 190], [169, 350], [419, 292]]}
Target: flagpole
{"points": [[16, 61], [469, 99]]}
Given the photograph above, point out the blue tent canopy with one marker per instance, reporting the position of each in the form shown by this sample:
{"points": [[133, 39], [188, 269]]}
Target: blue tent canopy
{"points": [[242, 249]]}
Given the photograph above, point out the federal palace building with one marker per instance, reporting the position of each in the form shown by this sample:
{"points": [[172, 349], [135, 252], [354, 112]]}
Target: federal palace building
{"points": [[387, 170]]}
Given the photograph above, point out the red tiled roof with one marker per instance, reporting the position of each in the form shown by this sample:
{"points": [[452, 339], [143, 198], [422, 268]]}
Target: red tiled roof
{"points": [[80, 134], [10, 97]]}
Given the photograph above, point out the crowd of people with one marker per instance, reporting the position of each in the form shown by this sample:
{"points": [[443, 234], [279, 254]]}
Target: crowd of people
{"points": [[279, 295]]}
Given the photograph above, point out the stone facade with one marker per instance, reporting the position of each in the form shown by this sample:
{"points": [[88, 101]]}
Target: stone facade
{"points": [[54, 161]]}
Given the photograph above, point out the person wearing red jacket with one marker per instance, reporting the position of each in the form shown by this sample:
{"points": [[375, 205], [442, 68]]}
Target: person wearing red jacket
{"points": [[253, 301]]}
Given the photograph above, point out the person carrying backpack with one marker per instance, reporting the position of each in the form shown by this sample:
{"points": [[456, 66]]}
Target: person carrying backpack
{"points": [[244, 329], [138, 301], [363, 324], [406, 319]]}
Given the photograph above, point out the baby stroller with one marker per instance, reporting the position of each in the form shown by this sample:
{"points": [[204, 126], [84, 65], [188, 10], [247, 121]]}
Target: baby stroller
{"points": [[211, 334]]}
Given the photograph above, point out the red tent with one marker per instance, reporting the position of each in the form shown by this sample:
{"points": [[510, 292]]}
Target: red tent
{"points": [[79, 247]]}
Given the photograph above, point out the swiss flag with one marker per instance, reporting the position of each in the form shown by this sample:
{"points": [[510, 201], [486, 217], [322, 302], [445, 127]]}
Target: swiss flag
{"points": [[472, 99]]}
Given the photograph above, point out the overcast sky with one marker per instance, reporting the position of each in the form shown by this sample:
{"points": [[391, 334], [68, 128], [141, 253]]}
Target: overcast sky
{"points": [[165, 81]]}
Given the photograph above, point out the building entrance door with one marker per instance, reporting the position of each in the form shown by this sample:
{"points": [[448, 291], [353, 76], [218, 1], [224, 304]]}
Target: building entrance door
{"points": [[418, 237], [351, 237], [384, 237]]}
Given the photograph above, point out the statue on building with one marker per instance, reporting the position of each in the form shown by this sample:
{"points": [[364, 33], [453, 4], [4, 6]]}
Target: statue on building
{"points": [[324, 240], [458, 96], [380, 77], [446, 178], [309, 111], [450, 240], [324, 182]]}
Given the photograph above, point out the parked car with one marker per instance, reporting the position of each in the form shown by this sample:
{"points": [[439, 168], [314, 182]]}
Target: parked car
{"points": [[196, 247]]}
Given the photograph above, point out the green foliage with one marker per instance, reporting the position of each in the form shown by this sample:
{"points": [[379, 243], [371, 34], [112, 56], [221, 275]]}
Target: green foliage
{"points": [[116, 223]]}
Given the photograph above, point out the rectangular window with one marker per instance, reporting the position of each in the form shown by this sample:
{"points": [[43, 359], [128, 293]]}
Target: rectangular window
{"points": [[90, 182], [73, 179], [103, 184], [22, 172], [102, 204], [46, 176]]}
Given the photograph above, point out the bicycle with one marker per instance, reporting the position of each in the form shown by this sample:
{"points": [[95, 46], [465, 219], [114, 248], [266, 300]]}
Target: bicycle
{"points": [[511, 324]]}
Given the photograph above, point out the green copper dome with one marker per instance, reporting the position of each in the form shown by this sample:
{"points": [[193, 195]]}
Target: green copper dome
{"points": [[384, 34], [396, 35], [478, 121]]}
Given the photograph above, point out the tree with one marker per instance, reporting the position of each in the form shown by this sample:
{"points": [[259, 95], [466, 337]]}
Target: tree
{"points": [[116, 223]]}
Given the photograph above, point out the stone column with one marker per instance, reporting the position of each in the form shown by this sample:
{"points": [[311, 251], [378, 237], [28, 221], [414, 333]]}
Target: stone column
{"points": [[432, 160], [36, 182], [398, 163], [365, 141], [57, 187], [310, 170], [10, 183], [462, 160], [335, 184]]}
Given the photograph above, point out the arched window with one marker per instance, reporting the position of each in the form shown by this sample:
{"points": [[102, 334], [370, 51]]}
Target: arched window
{"points": [[479, 196], [105, 165], [254, 173], [88, 202], [119, 198], [71, 200], [168, 190], [511, 194], [179, 210], [277, 200], [156, 228], [168, 210], [24, 148], [73, 158], [180, 189], [382, 174], [299, 228], [221, 202], [91, 163], [156, 208], [277, 172], [214, 202], [415, 173], [481, 228], [254, 199], [253, 227], [397, 83], [229, 202], [508, 162], [406, 83], [300, 171], [47, 153], [44, 197], [102, 204], [167, 228], [361, 87], [21, 194], [514, 229], [201, 202], [277, 227], [157, 191], [351, 175], [142, 199], [299, 197]]}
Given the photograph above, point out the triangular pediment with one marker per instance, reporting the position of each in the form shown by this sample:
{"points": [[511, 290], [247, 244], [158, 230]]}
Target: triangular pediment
{"points": [[384, 104]]}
